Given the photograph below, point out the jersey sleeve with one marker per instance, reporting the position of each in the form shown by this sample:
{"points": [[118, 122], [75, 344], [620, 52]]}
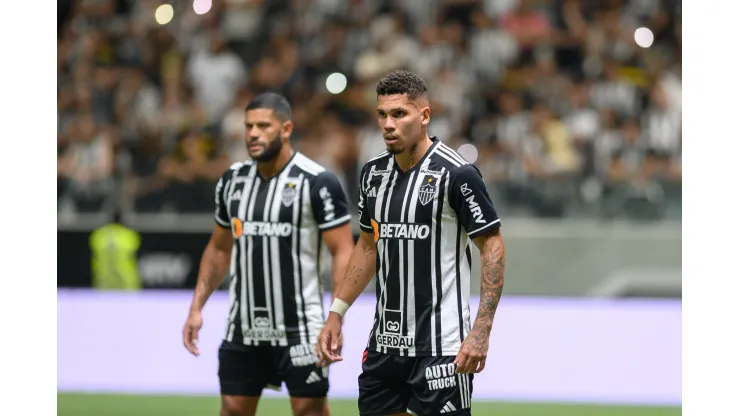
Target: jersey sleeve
{"points": [[469, 199], [329, 202], [364, 215], [221, 216]]}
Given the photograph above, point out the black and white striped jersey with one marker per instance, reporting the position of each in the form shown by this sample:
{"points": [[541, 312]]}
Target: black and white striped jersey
{"points": [[422, 221], [275, 292]]}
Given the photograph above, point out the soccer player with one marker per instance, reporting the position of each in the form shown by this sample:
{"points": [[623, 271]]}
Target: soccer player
{"points": [[272, 215], [420, 206]]}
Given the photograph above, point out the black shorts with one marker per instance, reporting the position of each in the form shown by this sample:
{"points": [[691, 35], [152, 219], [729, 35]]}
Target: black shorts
{"points": [[246, 370], [417, 385]]}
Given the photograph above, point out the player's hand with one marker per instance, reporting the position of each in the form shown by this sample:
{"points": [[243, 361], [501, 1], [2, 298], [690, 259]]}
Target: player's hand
{"points": [[329, 346], [325, 363], [472, 355], [190, 332]]}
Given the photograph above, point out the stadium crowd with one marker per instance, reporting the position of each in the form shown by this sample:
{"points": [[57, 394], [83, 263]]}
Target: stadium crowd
{"points": [[566, 112]]}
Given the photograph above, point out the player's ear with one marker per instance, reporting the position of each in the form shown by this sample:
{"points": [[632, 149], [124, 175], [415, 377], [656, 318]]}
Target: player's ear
{"points": [[286, 128], [425, 115]]}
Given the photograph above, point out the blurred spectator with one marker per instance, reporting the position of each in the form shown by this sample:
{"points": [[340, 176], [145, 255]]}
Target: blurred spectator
{"points": [[85, 168], [549, 150], [528, 25], [216, 74], [233, 131], [191, 170]]}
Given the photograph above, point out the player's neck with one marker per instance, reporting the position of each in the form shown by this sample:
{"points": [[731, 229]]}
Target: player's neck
{"points": [[269, 169], [413, 155]]}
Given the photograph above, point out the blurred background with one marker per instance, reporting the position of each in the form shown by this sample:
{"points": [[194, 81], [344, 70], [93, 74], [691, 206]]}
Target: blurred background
{"points": [[570, 108]]}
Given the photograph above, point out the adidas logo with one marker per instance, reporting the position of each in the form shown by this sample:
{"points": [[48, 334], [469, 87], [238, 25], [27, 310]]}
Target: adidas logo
{"points": [[313, 377], [448, 408], [373, 193], [236, 195]]}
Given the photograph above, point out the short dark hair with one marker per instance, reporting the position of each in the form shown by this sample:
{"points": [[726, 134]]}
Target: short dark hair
{"points": [[402, 82], [273, 101]]}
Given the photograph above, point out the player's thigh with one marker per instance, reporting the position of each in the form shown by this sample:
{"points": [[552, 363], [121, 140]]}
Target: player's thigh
{"points": [[239, 405], [383, 387], [243, 370], [438, 389], [296, 365]]}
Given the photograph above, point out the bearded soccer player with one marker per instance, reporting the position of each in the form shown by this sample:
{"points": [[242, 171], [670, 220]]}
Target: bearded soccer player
{"points": [[420, 206], [273, 214]]}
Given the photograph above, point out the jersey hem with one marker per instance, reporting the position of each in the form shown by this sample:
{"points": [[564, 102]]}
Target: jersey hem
{"points": [[334, 224], [266, 343], [484, 229], [417, 354]]}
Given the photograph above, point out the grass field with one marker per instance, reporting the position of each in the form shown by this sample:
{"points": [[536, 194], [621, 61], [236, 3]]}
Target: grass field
{"points": [[120, 405]]}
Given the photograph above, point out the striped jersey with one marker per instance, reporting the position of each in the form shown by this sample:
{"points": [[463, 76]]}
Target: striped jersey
{"points": [[422, 222], [275, 291]]}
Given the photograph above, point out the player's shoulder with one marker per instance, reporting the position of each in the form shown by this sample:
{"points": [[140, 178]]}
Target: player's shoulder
{"points": [[456, 166], [237, 169], [445, 157], [377, 162], [306, 166], [317, 175], [466, 172]]}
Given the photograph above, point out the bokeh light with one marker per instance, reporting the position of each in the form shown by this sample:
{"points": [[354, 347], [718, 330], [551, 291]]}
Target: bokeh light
{"points": [[202, 6], [164, 14], [336, 83], [644, 37], [468, 152]]}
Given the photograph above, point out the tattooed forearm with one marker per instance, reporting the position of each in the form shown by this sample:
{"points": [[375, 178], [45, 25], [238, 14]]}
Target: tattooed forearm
{"points": [[353, 274], [493, 264], [360, 269]]}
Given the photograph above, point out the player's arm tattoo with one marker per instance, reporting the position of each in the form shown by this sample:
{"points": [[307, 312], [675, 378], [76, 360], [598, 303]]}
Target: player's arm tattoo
{"points": [[353, 274], [360, 269], [365, 260], [493, 264]]}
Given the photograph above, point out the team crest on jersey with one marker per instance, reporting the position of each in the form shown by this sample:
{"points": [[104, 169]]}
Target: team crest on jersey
{"points": [[427, 191], [289, 194]]}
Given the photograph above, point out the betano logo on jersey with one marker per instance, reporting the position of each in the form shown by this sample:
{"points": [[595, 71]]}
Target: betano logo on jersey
{"points": [[399, 231], [260, 229]]}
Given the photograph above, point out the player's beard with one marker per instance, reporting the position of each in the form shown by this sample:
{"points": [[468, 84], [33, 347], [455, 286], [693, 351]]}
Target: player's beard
{"points": [[272, 150]]}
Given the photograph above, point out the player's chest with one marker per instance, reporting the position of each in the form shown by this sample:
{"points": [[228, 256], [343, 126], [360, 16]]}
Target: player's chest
{"points": [[274, 208], [415, 197]]}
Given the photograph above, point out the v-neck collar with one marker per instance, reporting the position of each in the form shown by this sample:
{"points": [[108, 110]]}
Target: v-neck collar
{"points": [[435, 142]]}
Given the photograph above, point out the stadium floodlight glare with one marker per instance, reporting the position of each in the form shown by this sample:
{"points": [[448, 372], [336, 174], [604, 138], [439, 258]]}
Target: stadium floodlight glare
{"points": [[164, 14], [202, 6], [469, 152], [336, 83], [644, 37]]}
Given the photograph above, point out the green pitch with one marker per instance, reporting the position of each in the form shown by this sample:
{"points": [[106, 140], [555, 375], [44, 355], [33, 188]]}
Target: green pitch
{"points": [[123, 405]]}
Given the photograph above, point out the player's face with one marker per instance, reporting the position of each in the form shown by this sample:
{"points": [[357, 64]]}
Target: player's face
{"points": [[265, 134], [401, 121]]}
